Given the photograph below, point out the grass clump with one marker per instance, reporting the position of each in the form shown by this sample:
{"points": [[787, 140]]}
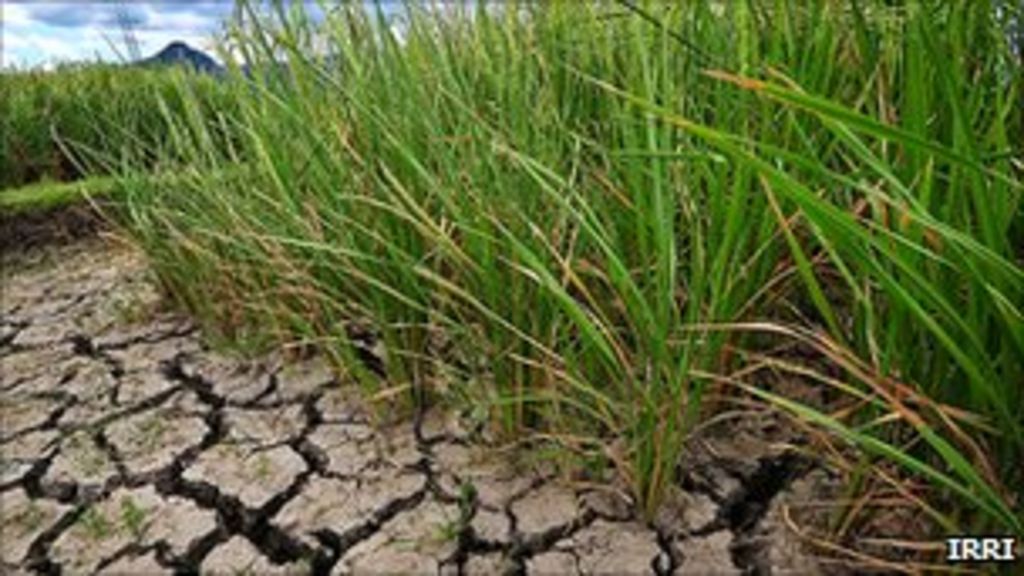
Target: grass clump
{"points": [[96, 526], [133, 517], [583, 218]]}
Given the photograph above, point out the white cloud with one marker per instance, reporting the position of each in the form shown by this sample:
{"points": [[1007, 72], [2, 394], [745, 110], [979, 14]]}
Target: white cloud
{"points": [[179, 21], [38, 32], [14, 14], [41, 33]]}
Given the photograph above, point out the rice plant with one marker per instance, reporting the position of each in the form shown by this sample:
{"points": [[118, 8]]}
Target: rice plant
{"points": [[580, 219]]}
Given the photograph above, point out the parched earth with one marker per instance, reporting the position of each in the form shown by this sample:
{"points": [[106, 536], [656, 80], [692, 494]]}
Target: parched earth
{"points": [[128, 446]]}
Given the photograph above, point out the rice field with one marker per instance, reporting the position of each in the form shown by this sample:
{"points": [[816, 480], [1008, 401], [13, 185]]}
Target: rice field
{"points": [[594, 225], [89, 119]]}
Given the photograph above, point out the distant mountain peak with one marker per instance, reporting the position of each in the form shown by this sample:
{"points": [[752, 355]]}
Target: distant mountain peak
{"points": [[180, 53]]}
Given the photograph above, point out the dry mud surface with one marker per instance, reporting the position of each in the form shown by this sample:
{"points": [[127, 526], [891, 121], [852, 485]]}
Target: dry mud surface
{"points": [[127, 446]]}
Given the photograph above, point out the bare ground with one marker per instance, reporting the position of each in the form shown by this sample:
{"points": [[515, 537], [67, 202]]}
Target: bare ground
{"points": [[129, 446]]}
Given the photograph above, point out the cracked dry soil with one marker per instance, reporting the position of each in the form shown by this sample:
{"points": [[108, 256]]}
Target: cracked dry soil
{"points": [[127, 446]]}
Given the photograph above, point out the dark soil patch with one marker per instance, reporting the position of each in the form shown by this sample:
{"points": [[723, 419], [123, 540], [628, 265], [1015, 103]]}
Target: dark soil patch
{"points": [[57, 226]]}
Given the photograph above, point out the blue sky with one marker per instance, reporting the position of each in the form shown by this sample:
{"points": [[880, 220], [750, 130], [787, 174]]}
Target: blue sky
{"points": [[39, 32], [43, 32]]}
